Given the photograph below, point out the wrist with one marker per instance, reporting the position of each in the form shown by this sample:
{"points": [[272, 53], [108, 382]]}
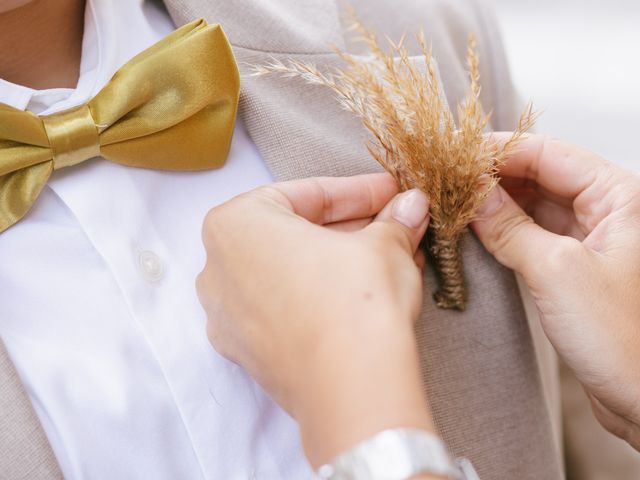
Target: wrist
{"points": [[399, 453], [353, 393]]}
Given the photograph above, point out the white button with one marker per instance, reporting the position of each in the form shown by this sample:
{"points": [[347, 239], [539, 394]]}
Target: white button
{"points": [[150, 266]]}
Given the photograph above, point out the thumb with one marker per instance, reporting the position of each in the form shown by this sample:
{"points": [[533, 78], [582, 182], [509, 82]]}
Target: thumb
{"points": [[404, 219], [510, 235]]}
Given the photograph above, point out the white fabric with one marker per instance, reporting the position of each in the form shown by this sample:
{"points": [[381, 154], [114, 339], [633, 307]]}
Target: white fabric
{"points": [[98, 308]]}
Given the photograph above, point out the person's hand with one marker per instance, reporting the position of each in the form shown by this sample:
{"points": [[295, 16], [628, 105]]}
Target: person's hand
{"points": [[578, 249], [313, 287]]}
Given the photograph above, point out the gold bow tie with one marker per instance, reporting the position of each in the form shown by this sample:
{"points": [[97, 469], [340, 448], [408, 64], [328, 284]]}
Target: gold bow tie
{"points": [[171, 107]]}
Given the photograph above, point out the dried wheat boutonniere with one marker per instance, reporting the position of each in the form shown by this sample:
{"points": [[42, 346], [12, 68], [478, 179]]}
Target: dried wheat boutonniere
{"points": [[416, 139]]}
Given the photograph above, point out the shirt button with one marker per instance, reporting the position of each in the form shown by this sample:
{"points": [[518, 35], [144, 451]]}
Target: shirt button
{"points": [[151, 266]]}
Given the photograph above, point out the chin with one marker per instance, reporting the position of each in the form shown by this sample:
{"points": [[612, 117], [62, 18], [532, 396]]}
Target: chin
{"points": [[8, 5]]}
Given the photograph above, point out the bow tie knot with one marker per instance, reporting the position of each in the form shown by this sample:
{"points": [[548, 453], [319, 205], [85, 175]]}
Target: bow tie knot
{"points": [[171, 107], [73, 136]]}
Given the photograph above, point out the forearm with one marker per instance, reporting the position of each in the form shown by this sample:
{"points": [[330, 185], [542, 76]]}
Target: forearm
{"points": [[346, 403]]}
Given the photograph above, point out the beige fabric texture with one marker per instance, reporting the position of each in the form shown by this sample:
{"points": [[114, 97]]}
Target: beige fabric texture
{"points": [[25, 453], [480, 370]]}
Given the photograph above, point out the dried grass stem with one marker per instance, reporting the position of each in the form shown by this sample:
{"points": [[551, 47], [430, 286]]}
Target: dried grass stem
{"points": [[415, 137]]}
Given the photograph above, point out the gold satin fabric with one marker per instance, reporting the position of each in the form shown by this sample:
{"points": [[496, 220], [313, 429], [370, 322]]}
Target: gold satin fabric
{"points": [[171, 107], [73, 136]]}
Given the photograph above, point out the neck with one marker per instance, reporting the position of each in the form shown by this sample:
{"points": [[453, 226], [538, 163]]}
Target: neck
{"points": [[42, 43]]}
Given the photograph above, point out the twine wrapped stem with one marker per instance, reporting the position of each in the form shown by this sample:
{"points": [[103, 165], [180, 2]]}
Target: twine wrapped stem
{"points": [[448, 264]]}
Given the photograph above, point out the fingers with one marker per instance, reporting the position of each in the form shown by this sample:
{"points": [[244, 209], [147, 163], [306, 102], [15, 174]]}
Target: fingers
{"points": [[350, 225], [548, 214], [420, 259], [332, 200], [510, 235], [565, 170], [404, 219]]}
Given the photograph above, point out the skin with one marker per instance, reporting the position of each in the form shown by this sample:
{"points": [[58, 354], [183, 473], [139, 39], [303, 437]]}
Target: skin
{"points": [[310, 285], [313, 229], [41, 42], [571, 228]]}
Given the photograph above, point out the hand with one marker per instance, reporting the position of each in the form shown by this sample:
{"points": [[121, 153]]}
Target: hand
{"points": [[579, 253], [313, 287]]}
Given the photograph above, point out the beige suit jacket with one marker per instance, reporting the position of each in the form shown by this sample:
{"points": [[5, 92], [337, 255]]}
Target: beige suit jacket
{"points": [[479, 369]]}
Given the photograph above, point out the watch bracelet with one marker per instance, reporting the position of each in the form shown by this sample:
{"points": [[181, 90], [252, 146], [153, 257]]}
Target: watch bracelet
{"points": [[397, 454]]}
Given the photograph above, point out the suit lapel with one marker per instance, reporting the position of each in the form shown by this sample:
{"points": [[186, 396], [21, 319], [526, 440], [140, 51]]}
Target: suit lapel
{"points": [[300, 130]]}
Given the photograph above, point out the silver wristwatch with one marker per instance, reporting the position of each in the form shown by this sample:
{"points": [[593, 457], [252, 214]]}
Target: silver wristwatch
{"points": [[397, 454]]}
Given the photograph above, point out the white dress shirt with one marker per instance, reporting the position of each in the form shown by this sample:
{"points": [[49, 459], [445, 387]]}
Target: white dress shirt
{"points": [[98, 307]]}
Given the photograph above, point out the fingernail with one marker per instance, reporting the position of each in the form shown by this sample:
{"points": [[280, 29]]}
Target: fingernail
{"points": [[492, 204], [411, 208]]}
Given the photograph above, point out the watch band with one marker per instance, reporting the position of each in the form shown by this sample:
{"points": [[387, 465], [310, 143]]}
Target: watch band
{"points": [[397, 454]]}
